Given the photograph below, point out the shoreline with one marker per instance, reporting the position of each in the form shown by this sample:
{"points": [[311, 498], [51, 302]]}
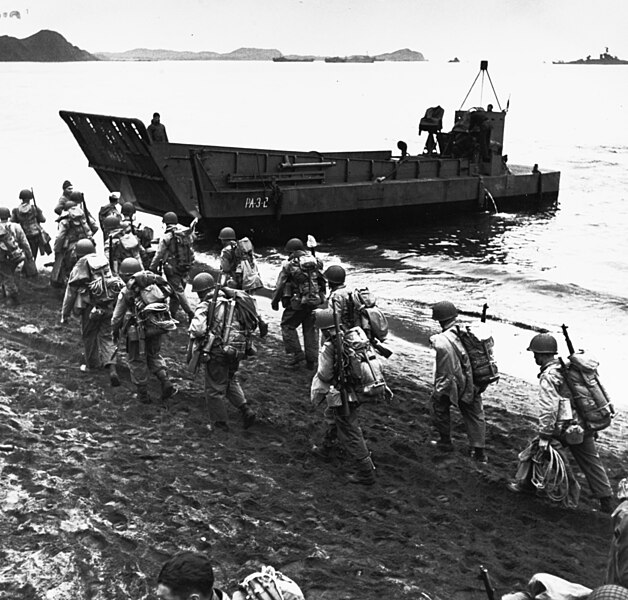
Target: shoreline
{"points": [[99, 489]]}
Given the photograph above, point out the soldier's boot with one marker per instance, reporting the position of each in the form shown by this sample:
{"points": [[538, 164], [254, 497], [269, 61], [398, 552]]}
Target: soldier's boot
{"points": [[168, 389], [114, 378], [142, 395], [365, 474], [443, 442], [263, 328], [297, 358], [324, 450], [248, 416]]}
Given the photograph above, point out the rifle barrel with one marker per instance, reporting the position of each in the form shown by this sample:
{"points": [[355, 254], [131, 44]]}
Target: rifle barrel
{"points": [[568, 339]]}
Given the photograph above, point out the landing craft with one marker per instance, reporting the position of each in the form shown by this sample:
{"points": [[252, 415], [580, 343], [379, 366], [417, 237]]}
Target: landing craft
{"points": [[274, 193]]}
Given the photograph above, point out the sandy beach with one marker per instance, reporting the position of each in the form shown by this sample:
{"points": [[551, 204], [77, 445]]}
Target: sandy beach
{"points": [[96, 490]]}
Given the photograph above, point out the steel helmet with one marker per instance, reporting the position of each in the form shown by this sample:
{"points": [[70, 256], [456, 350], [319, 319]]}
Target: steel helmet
{"points": [[128, 209], [444, 310], [26, 195], [622, 489], [77, 197], [170, 218], [203, 282], [323, 318], [543, 343], [609, 592], [130, 266], [111, 222], [294, 244], [5, 214], [335, 274], [84, 247], [227, 233]]}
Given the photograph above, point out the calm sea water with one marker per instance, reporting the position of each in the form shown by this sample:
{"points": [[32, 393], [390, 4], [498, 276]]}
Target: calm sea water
{"points": [[567, 266]]}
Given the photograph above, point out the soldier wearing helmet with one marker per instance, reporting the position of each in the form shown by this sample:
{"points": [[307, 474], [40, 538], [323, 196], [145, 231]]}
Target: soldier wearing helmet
{"points": [[110, 209], [341, 419], [300, 288], [453, 385], [121, 243], [617, 570], [74, 225], [237, 261], [30, 218], [90, 294], [175, 255], [221, 344], [556, 415], [142, 329], [14, 249]]}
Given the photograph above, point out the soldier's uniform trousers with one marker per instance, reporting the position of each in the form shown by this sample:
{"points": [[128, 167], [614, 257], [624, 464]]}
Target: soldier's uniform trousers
{"points": [[472, 417], [290, 321], [97, 340], [140, 363], [221, 383]]}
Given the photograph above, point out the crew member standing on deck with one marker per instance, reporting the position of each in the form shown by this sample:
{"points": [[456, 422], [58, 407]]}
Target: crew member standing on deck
{"points": [[453, 385], [300, 288], [156, 130]]}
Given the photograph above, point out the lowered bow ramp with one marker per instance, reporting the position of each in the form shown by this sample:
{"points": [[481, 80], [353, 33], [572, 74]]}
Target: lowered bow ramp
{"points": [[120, 151]]}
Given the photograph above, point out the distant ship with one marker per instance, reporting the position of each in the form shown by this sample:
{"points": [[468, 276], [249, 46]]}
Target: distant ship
{"points": [[293, 59], [356, 58], [455, 59], [605, 59]]}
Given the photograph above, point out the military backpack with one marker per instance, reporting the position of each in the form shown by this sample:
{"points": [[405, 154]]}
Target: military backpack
{"points": [[10, 251], [305, 275]]}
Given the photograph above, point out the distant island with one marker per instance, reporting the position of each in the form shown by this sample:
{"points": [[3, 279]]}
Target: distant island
{"points": [[245, 54], [50, 46], [44, 46]]}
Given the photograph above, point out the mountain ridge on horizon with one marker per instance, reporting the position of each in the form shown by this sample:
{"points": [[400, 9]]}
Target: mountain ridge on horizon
{"points": [[50, 46], [404, 54], [44, 46]]}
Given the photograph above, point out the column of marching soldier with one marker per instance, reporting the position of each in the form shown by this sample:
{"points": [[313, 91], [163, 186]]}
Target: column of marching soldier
{"points": [[127, 298]]}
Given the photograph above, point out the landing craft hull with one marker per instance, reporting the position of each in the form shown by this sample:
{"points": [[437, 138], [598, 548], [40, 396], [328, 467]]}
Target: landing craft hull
{"points": [[271, 194]]}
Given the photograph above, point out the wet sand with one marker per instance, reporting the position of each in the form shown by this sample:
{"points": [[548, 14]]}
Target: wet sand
{"points": [[96, 490]]}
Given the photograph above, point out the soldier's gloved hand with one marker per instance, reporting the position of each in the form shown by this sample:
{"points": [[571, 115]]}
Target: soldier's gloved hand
{"points": [[64, 320], [274, 305]]}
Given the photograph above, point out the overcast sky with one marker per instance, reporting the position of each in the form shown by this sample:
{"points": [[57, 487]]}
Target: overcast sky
{"points": [[440, 29]]}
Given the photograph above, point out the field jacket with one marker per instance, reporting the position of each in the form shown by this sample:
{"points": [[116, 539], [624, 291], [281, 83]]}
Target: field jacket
{"points": [[453, 376], [554, 403]]}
